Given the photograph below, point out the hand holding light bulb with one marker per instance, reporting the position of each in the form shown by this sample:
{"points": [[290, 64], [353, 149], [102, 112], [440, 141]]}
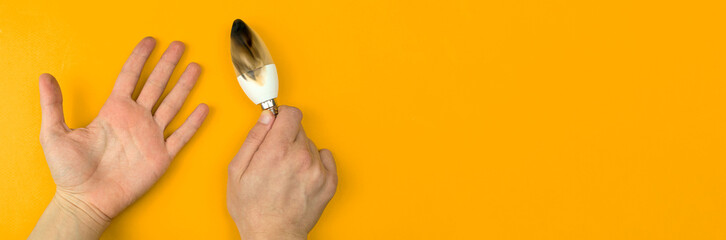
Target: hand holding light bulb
{"points": [[279, 182]]}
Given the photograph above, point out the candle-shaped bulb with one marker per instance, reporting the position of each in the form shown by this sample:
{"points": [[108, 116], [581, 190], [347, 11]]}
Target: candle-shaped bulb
{"points": [[256, 73]]}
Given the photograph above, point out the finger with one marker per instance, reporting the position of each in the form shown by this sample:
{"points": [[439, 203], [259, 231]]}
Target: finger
{"points": [[181, 136], [329, 162], [171, 104], [156, 83], [316, 160], [253, 141], [286, 126], [51, 105], [304, 141], [131, 71], [327, 158], [301, 136]]}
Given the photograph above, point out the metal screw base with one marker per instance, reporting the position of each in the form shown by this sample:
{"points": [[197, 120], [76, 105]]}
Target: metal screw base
{"points": [[269, 105]]}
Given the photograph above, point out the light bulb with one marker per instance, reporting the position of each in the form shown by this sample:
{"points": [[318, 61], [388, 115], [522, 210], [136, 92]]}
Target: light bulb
{"points": [[256, 73]]}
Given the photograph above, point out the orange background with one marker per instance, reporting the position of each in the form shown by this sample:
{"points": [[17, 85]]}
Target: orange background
{"points": [[448, 119]]}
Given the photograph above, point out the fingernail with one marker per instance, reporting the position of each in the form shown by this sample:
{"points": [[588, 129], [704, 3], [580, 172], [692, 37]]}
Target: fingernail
{"points": [[265, 117]]}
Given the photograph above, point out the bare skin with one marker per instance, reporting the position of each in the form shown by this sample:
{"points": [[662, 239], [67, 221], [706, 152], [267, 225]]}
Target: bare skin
{"points": [[279, 182], [101, 169]]}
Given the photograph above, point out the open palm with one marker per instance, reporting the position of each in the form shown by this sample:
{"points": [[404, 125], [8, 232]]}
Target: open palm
{"points": [[122, 152]]}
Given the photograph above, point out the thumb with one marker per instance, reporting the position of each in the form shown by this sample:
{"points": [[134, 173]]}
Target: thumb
{"points": [[253, 141], [51, 106]]}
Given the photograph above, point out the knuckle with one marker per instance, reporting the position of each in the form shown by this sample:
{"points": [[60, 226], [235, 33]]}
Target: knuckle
{"points": [[155, 83], [317, 180], [297, 159], [294, 112], [302, 163], [304, 157], [317, 174], [127, 74]]}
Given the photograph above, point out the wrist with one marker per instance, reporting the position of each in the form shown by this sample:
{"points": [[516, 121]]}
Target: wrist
{"points": [[270, 235], [86, 215], [68, 217], [81, 211]]}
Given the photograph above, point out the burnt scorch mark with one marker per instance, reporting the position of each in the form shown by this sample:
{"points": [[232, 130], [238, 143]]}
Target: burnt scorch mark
{"points": [[249, 53], [242, 35]]}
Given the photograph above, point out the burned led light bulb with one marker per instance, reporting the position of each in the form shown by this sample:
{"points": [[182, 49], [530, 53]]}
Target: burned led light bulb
{"points": [[256, 73]]}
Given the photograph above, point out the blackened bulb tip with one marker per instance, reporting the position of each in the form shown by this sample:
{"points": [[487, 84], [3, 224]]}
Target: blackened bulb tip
{"points": [[249, 53], [238, 26]]}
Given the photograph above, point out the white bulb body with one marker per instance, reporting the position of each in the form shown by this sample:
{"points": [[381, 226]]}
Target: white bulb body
{"points": [[265, 88]]}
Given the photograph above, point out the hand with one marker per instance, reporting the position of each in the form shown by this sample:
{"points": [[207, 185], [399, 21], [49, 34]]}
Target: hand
{"points": [[101, 169], [279, 183]]}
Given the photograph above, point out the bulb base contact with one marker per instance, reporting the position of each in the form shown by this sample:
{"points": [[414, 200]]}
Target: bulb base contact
{"points": [[269, 105]]}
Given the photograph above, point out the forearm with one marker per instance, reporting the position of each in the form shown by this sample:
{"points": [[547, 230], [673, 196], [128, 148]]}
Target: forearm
{"points": [[67, 217]]}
